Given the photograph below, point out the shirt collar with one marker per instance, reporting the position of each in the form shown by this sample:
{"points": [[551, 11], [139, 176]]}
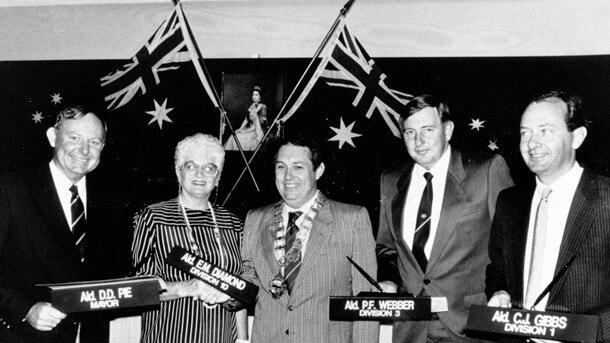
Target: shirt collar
{"points": [[568, 179], [439, 168], [62, 182], [305, 208]]}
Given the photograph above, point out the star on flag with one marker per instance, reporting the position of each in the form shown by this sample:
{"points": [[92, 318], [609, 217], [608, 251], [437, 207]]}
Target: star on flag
{"points": [[476, 124], [492, 145], [344, 134], [37, 117], [160, 114], [56, 98]]}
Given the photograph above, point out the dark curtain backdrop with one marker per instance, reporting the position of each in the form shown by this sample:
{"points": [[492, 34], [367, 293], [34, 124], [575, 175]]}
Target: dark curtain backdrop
{"points": [[139, 153]]}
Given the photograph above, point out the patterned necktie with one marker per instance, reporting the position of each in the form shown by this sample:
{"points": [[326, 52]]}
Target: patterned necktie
{"points": [[293, 258], [534, 285], [78, 221], [422, 226]]}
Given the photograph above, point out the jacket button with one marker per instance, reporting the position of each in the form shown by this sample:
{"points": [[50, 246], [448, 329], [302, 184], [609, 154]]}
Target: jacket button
{"points": [[426, 281], [290, 308]]}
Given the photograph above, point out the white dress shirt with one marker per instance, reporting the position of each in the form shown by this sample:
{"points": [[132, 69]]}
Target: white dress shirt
{"points": [[62, 185], [559, 202], [304, 209], [414, 194]]}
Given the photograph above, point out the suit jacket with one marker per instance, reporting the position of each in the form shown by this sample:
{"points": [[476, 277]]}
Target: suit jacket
{"points": [[584, 287], [456, 267], [338, 231], [37, 247]]}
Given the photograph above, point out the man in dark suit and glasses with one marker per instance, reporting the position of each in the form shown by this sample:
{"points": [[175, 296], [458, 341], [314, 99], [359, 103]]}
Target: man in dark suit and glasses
{"points": [[539, 228], [42, 240], [435, 216]]}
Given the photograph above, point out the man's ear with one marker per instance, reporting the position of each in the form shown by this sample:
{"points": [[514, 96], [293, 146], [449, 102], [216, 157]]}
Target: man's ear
{"points": [[51, 136], [448, 127], [579, 136], [320, 171]]}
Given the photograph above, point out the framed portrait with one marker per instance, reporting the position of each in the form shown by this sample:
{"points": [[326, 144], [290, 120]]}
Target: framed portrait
{"points": [[252, 102]]}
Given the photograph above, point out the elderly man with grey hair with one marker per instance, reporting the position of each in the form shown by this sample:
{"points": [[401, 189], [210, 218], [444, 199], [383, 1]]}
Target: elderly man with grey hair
{"points": [[58, 225]]}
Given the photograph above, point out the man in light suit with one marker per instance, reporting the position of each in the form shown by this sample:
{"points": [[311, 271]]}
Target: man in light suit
{"points": [[445, 254], [36, 242], [553, 127], [294, 306]]}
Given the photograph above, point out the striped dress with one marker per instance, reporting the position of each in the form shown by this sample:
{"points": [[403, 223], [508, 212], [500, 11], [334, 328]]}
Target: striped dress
{"points": [[185, 320]]}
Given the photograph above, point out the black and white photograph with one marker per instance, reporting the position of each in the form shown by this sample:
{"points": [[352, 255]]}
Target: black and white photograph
{"points": [[370, 170]]}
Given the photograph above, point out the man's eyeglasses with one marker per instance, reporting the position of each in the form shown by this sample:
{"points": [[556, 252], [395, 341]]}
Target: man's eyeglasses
{"points": [[209, 170]]}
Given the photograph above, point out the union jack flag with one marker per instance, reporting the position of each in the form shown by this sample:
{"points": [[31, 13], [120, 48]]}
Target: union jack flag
{"points": [[169, 48], [349, 66]]}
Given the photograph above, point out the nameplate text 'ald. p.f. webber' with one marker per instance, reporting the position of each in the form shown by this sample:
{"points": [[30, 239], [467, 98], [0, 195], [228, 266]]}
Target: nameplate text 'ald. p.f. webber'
{"points": [[383, 307]]}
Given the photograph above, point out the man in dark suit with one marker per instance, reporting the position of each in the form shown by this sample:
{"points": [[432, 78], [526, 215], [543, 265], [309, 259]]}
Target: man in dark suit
{"points": [[434, 222], [40, 241], [538, 228], [298, 270]]}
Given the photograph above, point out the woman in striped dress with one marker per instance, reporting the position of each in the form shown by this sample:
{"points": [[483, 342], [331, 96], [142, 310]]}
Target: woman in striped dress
{"points": [[190, 310]]}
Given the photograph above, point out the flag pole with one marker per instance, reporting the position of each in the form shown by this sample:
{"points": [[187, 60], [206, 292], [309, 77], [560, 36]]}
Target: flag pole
{"points": [[321, 47], [223, 113]]}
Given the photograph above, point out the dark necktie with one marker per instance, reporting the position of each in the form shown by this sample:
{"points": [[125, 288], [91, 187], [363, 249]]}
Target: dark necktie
{"points": [[293, 258], [78, 220], [422, 226]]}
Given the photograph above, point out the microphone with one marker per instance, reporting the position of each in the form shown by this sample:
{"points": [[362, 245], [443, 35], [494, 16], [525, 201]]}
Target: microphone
{"points": [[554, 281], [366, 276]]}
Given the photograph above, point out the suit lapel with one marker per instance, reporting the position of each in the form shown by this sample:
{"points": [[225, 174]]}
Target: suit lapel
{"points": [[45, 195], [267, 238], [518, 234], [454, 196], [580, 220], [398, 206], [317, 242]]}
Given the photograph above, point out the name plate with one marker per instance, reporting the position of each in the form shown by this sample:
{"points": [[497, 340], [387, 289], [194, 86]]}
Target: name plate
{"points": [[232, 285], [100, 295], [368, 306], [550, 325]]}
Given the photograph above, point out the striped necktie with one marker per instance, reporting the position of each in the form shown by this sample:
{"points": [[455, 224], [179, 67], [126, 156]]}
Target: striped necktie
{"points": [[422, 226], [291, 269], [534, 284], [78, 220]]}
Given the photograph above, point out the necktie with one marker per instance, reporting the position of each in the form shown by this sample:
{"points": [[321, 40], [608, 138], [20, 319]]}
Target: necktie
{"points": [[534, 285], [422, 226], [78, 220], [293, 258]]}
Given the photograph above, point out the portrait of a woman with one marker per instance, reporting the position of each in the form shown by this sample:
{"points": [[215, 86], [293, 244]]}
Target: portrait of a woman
{"points": [[254, 126]]}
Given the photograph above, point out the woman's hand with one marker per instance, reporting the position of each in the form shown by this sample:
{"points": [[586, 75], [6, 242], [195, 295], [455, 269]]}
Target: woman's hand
{"points": [[193, 288], [199, 290]]}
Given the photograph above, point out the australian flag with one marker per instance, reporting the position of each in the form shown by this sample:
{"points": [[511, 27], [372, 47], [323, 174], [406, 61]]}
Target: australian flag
{"points": [[347, 105], [169, 47], [351, 67], [160, 96]]}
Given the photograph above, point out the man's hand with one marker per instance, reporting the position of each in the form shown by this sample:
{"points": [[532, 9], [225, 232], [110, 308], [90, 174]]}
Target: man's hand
{"points": [[388, 286], [44, 317], [500, 299]]}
